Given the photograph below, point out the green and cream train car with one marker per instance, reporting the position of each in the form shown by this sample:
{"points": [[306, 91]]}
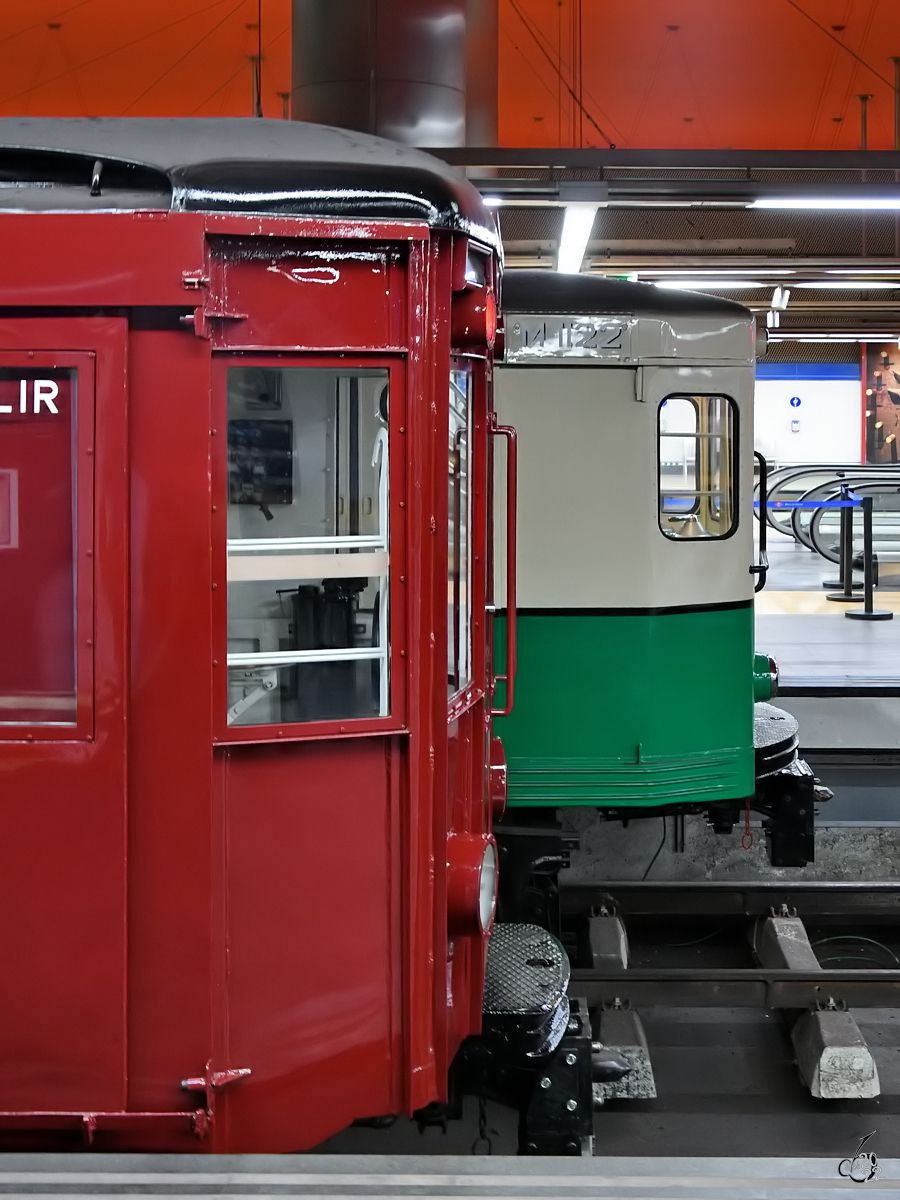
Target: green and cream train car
{"points": [[638, 691]]}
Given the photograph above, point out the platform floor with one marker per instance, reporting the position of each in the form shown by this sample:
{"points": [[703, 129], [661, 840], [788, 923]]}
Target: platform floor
{"points": [[814, 644], [638, 1178]]}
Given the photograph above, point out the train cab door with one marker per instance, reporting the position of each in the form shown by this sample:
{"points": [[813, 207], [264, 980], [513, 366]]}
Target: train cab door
{"points": [[63, 669], [699, 459]]}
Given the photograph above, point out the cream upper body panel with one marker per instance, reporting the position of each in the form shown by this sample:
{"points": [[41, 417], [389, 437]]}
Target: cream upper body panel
{"points": [[587, 365], [588, 507], [626, 339]]}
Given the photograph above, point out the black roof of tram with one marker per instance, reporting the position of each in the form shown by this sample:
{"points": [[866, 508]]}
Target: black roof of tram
{"points": [[233, 164], [549, 292]]}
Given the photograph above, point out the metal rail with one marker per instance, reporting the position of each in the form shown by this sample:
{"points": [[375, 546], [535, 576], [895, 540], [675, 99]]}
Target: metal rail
{"points": [[790, 161], [739, 987], [815, 536], [732, 898]]}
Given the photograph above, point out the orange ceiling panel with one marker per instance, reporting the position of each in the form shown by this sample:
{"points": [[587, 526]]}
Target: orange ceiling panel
{"points": [[161, 58], [775, 74], [640, 73]]}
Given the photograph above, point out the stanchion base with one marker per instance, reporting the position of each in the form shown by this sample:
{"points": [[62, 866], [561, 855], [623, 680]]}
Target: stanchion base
{"points": [[842, 598], [838, 583], [877, 614]]}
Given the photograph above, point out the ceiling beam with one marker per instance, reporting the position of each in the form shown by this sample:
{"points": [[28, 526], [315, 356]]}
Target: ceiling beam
{"points": [[716, 160]]}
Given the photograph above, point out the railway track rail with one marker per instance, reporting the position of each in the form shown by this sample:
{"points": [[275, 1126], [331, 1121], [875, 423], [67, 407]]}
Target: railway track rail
{"points": [[811, 898]]}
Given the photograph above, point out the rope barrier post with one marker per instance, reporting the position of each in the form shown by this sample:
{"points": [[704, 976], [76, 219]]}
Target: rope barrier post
{"points": [[846, 594], [828, 584], [868, 612]]}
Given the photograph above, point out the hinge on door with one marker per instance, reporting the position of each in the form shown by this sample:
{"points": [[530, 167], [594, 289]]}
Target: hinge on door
{"points": [[193, 280], [639, 384], [208, 1083]]}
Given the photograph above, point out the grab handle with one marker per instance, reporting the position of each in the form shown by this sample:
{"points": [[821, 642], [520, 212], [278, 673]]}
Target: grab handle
{"points": [[762, 567], [509, 675]]}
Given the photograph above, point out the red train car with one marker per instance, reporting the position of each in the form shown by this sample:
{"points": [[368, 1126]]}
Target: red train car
{"points": [[246, 865]]}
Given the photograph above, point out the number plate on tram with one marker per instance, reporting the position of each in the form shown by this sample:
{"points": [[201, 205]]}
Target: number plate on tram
{"points": [[535, 338]]}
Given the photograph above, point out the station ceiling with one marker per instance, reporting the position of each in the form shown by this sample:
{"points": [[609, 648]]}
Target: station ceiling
{"points": [[711, 86], [686, 74], [697, 74]]}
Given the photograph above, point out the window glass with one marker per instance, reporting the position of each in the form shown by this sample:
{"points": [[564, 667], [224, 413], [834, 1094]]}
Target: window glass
{"points": [[37, 546], [307, 544], [697, 466], [459, 500]]}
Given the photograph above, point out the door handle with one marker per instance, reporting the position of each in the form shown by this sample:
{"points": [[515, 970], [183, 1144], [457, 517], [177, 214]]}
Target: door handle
{"points": [[761, 568]]}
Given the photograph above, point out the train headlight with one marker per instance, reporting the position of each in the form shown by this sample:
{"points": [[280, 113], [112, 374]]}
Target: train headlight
{"points": [[471, 883], [487, 888]]}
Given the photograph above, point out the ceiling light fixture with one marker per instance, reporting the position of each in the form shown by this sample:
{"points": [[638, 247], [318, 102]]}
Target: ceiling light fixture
{"points": [[724, 272], [785, 336], [838, 203], [577, 225], [699, 285], [857, 285]]}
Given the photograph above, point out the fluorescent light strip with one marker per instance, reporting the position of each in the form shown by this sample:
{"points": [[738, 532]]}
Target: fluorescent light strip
{"points": [[698, 285], [835, 203], [724, 272], [782, 336], [857, 285], [865, 270], [576, 231]]}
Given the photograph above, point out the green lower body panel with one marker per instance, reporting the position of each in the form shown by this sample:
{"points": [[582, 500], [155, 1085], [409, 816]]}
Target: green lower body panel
{"points": [[636, 710]]}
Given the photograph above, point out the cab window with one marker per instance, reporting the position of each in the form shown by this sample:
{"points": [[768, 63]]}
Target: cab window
{"points": [[459, 505], [38, 578], [697, 466], [308, 603]]}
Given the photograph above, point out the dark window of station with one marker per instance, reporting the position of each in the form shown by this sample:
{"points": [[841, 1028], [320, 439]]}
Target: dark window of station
{"points": [[307, 545], [37, 546], [697, 467]]}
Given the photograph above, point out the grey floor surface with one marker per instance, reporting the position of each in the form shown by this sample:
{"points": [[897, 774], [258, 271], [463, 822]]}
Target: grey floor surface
{"points": [[794, 568], [823, 650], [614, 1178], [831, 651]]}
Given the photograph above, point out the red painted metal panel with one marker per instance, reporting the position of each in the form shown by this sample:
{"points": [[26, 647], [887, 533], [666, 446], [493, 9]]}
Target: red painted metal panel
{"points": [[285, 903], [311, 956], [62, 807], [108, 259], [169, 827], [426, 592], [284, 294], [372, 229]]}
